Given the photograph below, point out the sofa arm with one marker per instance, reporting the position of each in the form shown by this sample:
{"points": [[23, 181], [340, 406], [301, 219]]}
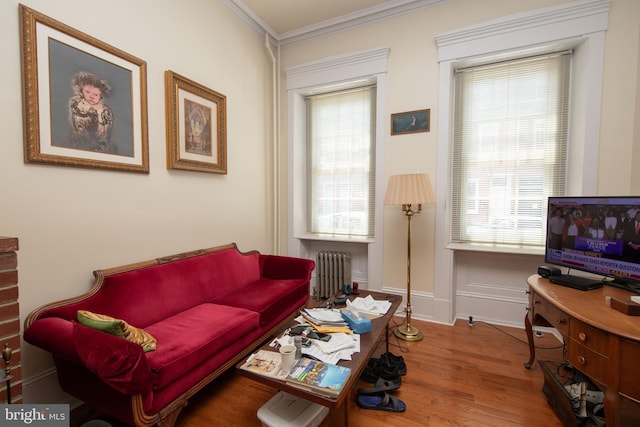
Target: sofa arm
{"points": [[54, 335], [283, 267], [119, 363]]}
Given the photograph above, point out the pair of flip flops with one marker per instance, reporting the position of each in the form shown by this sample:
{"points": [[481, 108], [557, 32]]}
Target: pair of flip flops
{"points": [[378, 397]]}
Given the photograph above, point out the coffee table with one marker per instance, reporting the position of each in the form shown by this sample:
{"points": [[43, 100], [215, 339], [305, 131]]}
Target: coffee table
{"points": [[368, 344]]}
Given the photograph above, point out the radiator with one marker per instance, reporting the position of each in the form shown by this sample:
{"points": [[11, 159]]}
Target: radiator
{"points": [[332, 271]]}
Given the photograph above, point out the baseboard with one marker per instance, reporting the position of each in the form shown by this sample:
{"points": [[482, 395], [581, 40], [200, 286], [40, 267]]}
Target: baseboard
{"points": [[44, 388], [505, 310], [502, 310]]}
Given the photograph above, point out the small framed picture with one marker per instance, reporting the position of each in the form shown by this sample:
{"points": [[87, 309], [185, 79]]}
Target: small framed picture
{"points": [[196, 126], [410, 122], [84, 101]]}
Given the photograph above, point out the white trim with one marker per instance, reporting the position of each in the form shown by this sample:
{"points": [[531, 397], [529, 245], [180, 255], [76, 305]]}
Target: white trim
{"points": [[338, 68], [341, 70], [381, 12], [44, 387], [579, 25], [502, 249], [552, 24]]}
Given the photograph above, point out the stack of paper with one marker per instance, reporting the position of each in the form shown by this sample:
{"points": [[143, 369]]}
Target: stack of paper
{"points": [[371, 306], [324, 316], [325, 320], [340, 347]]}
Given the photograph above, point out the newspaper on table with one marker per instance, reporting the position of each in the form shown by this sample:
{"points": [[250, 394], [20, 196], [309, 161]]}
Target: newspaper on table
{"points": [[267, 363]]}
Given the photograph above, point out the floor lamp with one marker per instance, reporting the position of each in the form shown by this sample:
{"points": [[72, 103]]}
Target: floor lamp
{"points": [[409, 190]]}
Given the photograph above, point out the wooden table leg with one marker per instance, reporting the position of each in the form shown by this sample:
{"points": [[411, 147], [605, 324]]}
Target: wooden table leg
{"points": [[532, 348], [386, 337], [347, 405]]}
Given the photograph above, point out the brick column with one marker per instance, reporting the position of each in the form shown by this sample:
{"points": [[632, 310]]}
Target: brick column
{"points": [[10, 317]]}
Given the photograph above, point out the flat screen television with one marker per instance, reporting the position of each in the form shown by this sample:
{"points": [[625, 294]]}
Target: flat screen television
{"points": [[597, 235]]}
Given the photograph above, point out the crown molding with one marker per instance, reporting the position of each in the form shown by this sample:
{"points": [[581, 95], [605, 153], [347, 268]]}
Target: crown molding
{"points": [[370, 15], [594, 13]]}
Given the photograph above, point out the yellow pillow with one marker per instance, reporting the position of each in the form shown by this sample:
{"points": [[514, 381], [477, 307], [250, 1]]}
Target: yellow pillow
{"points": [[117, 327]]}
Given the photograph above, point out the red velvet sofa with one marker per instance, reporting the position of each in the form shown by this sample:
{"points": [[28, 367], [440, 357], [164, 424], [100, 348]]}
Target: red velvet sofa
{"points": [[207, 310]]}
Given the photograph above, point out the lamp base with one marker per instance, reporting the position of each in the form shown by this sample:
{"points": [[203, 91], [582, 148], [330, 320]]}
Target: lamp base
{"points": [[408, 333]]}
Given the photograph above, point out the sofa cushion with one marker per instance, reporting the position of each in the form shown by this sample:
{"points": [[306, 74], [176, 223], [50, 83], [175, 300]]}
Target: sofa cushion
{"points": [[272, 299], [188, 338], [117, 327]]}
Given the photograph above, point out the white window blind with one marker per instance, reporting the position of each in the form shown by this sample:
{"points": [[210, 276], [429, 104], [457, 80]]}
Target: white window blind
{"points": [[341, 162], [509, 148]]}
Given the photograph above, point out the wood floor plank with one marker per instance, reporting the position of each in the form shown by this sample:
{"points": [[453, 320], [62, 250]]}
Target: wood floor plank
{"points": [[458, 375]]}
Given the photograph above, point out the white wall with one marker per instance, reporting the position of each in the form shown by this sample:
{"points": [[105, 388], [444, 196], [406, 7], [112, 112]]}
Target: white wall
{"points": [[477, 280], [71, 221]]}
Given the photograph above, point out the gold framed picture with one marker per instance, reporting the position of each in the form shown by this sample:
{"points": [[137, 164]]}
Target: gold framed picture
{"points": [[410, 122], [84, 101], [196, 126]]}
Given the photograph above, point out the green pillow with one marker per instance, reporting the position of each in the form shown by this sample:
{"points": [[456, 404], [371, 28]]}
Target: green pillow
{"points": [[117, 327]]}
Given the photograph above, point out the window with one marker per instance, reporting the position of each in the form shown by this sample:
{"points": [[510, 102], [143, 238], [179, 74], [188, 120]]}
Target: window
{"points": [[341, 162], [509, 148]]}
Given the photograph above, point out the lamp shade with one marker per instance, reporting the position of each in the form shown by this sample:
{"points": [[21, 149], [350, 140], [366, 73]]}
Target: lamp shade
{"points": [[409, 189]]}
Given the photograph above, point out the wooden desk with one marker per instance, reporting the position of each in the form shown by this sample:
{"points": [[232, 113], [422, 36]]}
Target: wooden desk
{"points": [[601, 342]]}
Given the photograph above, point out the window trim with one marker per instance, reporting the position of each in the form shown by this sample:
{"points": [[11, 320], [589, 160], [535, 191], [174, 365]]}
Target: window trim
{"points": [[339, 72], [577, 23], [578, 26]]}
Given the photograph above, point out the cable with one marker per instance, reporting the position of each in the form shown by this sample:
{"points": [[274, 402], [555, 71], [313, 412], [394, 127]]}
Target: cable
{"points": [[402, 348], [476, 322]]}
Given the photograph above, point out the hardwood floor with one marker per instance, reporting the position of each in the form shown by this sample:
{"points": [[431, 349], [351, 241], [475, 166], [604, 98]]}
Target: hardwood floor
{"points": [[457, 375]]}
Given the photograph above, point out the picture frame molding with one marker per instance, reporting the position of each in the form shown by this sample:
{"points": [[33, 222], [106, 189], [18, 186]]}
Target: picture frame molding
{"points": [[177, 158], [42, 150]]}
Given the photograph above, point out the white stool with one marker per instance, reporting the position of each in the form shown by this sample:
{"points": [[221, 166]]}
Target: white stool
{"points": [[286, 410]]}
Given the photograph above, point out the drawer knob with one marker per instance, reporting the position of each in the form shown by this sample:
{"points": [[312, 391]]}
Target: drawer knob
{"points": [[582, 336], [582, 360], [561, 321]]}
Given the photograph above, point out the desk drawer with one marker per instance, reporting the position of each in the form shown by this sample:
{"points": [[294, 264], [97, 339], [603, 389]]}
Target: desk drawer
{"points": [[590, 337], [593, 364], [551, 314]]}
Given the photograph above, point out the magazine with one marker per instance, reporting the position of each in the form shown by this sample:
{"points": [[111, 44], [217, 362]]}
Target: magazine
{"points": [[265, 363], [323, 378]]}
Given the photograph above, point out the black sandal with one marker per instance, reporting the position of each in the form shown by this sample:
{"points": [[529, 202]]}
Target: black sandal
{"points": [[381, 385], [381, 402]]}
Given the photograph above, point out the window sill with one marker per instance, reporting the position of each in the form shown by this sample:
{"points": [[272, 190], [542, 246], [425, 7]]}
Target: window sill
{"points": [[335, 238], [507, 249]]}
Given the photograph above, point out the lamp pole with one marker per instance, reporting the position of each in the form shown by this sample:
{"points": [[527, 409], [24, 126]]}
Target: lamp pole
{"points": [[406, 331]]}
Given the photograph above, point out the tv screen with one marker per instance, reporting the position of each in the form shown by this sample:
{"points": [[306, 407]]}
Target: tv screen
{"points": [[598, 235]]}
